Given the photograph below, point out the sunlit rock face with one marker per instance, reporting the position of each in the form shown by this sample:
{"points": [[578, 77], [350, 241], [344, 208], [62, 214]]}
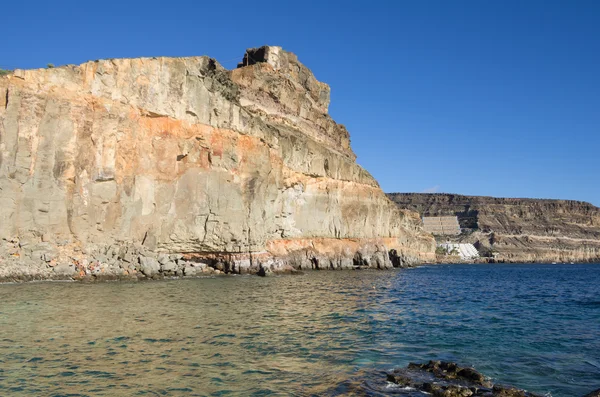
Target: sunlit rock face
{"points": [[180, 155]]}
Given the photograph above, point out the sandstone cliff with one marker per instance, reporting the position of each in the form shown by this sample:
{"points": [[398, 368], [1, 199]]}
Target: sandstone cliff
{"points": [[517, 230], [111, 164]]}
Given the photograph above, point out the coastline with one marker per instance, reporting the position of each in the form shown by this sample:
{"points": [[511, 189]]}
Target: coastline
{"points": [[490, 261], [525, 258], [203, 272], [41, 260], [140, 277]]}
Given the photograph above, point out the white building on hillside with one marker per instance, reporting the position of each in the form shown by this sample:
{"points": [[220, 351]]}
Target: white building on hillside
{"points": [[465, 251]]}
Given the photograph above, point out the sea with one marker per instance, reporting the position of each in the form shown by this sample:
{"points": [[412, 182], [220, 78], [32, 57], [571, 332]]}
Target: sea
{"points": [[322, 333]]}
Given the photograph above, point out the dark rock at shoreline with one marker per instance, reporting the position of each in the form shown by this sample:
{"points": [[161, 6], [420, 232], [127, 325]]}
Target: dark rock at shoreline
{"points": [[446, 379], [264, 272], [595, 393]]}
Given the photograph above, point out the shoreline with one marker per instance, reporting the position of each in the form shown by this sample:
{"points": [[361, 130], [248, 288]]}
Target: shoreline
{"points": [[141, 278], [590, 262], [214, 273], [35, 259], [450, 260], [208, 272]]}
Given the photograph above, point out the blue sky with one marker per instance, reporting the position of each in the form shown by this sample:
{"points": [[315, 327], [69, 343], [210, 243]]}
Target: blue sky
{"points": [[496, 98]]}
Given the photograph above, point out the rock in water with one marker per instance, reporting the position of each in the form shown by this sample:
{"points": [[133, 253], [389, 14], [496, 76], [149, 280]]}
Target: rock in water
{"points": [[445, 379], [241, 168], [264, 272]]}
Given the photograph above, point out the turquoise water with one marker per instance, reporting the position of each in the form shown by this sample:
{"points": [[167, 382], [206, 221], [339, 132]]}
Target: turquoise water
{"points": [[322, 333]]}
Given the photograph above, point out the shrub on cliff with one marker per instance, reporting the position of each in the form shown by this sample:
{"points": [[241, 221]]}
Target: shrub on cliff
{"points": [[441, 250], [4, 72]]}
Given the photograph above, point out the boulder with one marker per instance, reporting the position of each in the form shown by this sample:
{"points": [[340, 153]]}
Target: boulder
{"points": [[65, 269], [149, 266], [168, 267], [192, 271], [163, 258]]}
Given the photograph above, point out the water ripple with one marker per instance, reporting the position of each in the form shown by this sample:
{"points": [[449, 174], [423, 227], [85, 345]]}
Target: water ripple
{"points": [[323, 333]]}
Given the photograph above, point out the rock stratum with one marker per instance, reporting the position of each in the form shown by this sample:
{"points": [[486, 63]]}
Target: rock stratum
{"points": [[514, 229], [177, 165]]}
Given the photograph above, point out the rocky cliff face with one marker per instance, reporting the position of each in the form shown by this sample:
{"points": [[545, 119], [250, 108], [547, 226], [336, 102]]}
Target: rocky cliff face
{"points": [[518, 230], [113, 162]]}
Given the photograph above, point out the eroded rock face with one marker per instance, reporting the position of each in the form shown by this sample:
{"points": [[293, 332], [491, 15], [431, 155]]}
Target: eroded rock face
{"points": [[518, 230], [243, 168]]}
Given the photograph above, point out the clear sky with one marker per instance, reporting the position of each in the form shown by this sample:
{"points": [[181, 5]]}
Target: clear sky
{"points": [[482, 97]]}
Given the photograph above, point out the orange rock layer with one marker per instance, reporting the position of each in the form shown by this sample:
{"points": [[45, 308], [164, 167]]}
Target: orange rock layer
{"points": [[178, 155]]}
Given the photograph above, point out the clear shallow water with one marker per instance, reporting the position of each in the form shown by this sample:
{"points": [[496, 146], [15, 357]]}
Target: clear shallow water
{"points": [[322, 333]]}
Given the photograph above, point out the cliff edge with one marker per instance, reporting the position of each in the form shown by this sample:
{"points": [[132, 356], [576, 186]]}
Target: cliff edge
{"points": [[177, 165], [517, 229]]}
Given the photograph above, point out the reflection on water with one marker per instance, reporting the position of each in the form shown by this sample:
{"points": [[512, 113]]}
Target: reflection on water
{"points": [[537, 327]]}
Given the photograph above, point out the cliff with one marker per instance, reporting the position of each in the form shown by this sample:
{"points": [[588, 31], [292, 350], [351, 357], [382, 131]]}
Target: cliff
{"points": [[171, 165], [517, 230]]}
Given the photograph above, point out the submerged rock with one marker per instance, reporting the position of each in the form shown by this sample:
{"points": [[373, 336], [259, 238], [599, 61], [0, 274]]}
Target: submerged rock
{"points": [[446, 379]]}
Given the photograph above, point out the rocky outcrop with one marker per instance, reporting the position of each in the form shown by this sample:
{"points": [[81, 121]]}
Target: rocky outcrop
{"points": [[118, 160], [445, 379], [517, 230]]}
